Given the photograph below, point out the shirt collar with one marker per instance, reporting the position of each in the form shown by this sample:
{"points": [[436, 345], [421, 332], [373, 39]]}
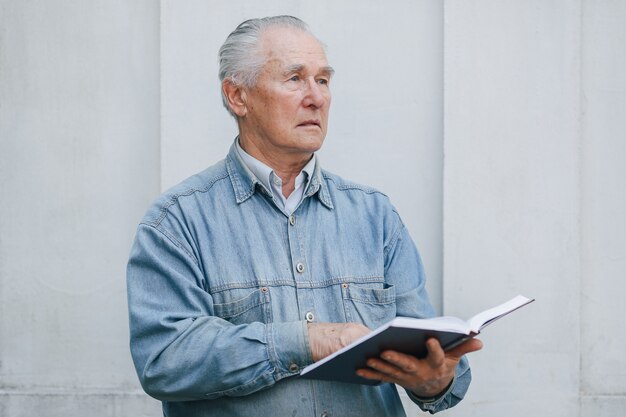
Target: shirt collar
{"points": [[266, 175], [245, 181]]}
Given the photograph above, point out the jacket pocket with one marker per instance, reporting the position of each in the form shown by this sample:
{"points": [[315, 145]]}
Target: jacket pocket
{"points": [[370, 304], [241, 306]]}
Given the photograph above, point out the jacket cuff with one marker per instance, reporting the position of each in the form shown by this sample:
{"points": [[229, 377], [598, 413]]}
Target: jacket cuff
{"points": [[288, 345]]}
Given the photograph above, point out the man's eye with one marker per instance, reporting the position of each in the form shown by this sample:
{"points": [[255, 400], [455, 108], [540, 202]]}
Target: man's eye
{"points": [[323, 81], [294, 78]]}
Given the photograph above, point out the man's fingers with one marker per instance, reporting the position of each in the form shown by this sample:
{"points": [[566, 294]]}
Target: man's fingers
{"points": [[472, 345], [383, 370], [407, 363], [369, 373], [436, 355], [384, 367], [398, 367]]}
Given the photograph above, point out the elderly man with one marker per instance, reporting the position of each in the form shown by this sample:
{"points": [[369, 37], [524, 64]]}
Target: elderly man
{"points": [[264, 263]]}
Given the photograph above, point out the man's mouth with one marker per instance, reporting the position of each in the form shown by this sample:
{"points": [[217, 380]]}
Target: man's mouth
{"points": [[308, 123]]}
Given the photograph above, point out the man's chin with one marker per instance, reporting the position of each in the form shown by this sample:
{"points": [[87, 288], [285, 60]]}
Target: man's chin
{"points": [[310, 143], [314, 146]]}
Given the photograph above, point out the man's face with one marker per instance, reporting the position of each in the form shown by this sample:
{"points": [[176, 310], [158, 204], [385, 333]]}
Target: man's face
{"points": [[287, 111]]}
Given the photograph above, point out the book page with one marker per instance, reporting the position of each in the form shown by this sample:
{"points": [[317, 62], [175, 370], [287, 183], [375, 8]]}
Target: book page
{"points": [[443, 324], [481, 320]]}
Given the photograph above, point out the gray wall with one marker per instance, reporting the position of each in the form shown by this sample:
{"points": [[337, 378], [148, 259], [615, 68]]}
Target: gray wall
{"points": [[534, 199], [505, 121], [79, 163]]}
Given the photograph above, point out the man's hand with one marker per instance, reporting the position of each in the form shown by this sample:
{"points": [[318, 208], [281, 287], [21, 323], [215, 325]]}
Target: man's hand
{"points": [[327, 338], [426, 377]]}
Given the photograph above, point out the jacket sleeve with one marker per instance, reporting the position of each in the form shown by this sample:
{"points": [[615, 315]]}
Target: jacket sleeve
{"points": [[180, 349], [404, 268]]}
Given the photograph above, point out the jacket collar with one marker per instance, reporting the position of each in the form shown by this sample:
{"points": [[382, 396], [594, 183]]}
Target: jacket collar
{"points": [[245, 183]]}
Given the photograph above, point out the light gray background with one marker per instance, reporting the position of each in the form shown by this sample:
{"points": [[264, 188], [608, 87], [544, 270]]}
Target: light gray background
{"points": [[497, 128]]}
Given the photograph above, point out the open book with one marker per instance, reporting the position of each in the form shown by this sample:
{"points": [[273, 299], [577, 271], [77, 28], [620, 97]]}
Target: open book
{"points": [[406, 335]]}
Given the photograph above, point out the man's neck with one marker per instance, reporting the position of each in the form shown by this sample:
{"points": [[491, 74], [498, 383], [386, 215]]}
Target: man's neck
{"points": [[287, 166]]}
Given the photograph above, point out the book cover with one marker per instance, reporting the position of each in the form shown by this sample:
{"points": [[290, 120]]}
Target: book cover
{"points": [[406, 335]]}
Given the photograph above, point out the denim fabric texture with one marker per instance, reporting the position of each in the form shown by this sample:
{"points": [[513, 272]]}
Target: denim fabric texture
{"points": [[221, 284]]}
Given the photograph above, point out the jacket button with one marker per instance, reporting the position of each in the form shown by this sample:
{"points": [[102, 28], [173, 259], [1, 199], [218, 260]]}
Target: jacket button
{"points": [[309, 317], [293, 368], [292, 220], [300, 267], [325, 414]]}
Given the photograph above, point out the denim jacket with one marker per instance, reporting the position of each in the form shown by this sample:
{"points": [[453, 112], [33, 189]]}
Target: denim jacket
{"points": [[221, 285]]}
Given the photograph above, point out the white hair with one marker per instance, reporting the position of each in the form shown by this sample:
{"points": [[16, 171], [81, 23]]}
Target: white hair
{"points": [[240, 57]]}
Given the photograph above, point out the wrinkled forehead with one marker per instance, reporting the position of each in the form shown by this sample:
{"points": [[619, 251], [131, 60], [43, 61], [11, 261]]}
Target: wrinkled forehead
{"points": [[291, 46]]}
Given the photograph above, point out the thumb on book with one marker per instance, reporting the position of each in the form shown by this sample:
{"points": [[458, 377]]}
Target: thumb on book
{"points": [[472, 345]]}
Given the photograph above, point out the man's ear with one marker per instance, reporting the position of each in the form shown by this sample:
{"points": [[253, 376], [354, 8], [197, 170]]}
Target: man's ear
{"points": [[235, 96]]}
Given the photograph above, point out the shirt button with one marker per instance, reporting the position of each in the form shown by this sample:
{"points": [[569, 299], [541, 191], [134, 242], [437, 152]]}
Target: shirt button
{"points": [[309, 317], [292, 220], [300, 267], [293, 367]]}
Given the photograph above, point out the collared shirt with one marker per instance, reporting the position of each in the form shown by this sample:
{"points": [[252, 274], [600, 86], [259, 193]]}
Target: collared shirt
{"points": [[274, 184], [221, 285]]}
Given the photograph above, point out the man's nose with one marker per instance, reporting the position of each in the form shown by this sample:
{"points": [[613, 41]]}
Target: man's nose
{"points": [[315, 95]]}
